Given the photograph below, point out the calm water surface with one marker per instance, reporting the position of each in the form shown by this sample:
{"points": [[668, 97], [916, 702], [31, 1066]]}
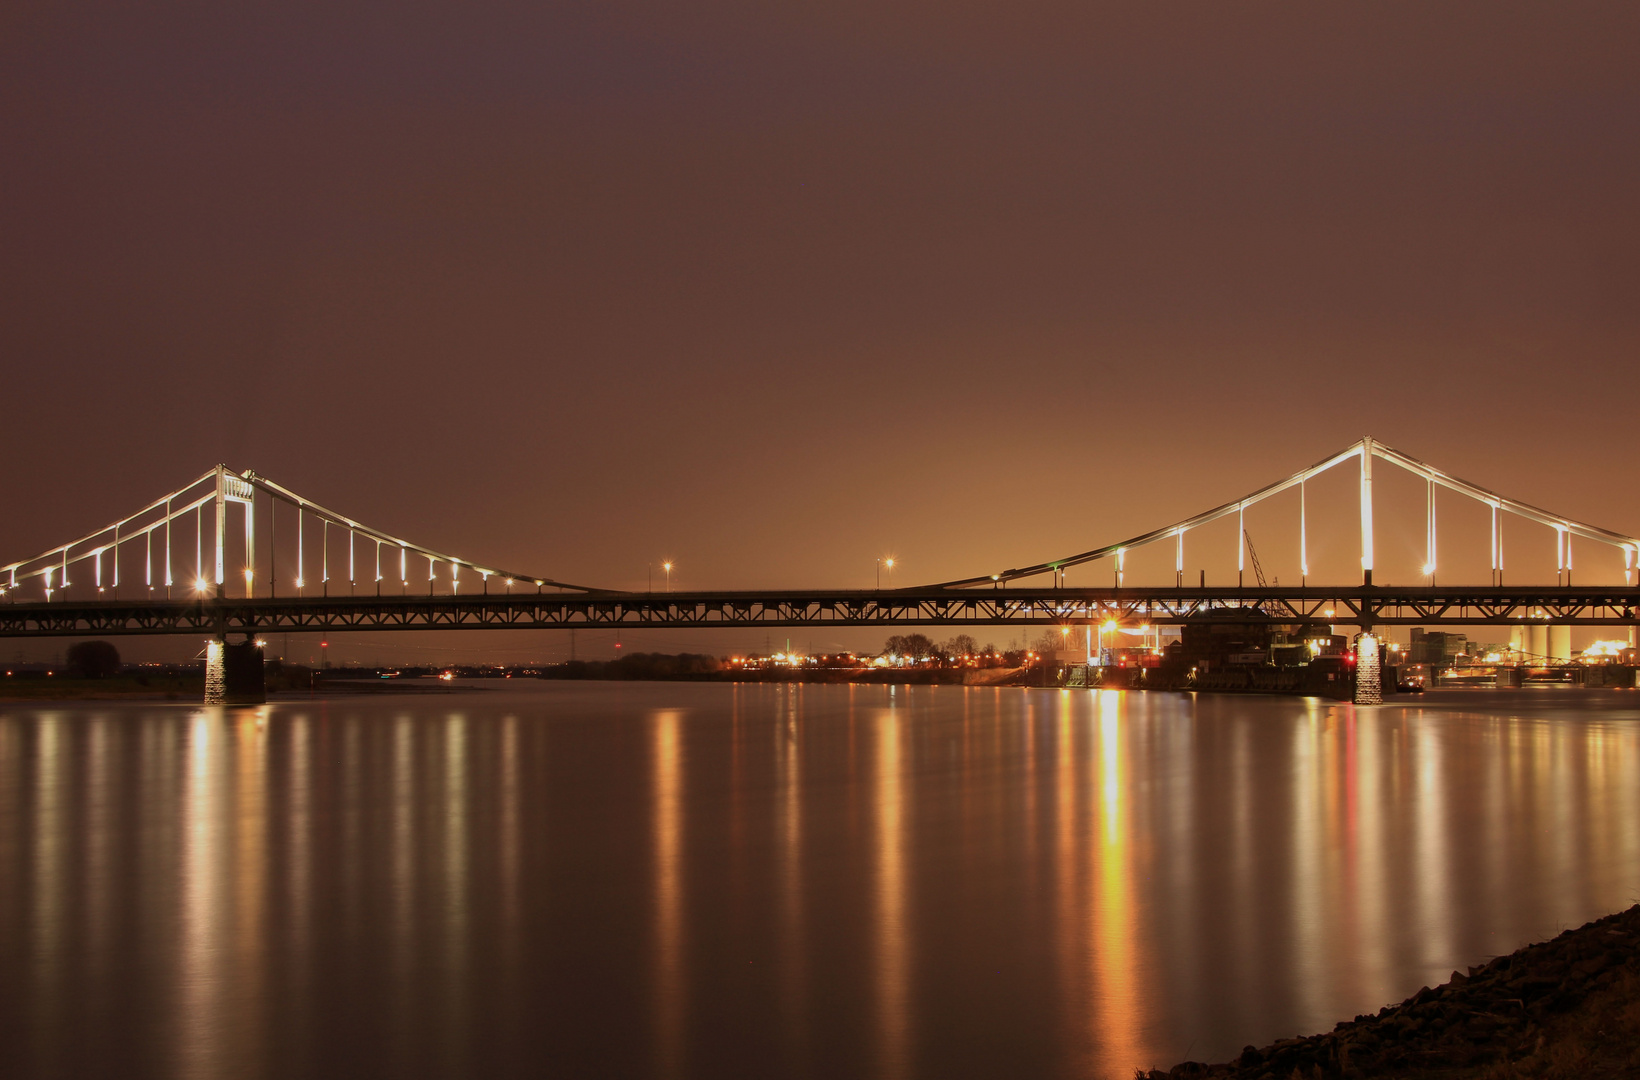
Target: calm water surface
{"points": [[715, 881]]}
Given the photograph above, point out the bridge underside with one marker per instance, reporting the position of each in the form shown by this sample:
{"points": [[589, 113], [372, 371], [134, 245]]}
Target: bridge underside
{"points": [[1380, 606]]}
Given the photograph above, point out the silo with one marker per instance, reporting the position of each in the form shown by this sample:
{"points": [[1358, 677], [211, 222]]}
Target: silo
{"points": [[1560, 642]]}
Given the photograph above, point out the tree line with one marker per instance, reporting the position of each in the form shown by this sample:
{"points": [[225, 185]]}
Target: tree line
{"points": [[921, 647]]}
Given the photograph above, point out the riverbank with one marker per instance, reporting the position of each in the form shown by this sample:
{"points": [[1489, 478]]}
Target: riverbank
{"points": [[280, 682], [179, 687], [1568, 1007]]}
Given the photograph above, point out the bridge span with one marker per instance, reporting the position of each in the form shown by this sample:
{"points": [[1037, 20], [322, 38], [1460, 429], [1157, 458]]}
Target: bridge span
{"points": [[242, 575]]}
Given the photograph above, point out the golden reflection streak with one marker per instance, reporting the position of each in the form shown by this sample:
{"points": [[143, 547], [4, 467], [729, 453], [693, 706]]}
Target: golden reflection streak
{"points": [[403, 875], [510, 900], [667, 758], [352, 846], [892, 946], [1373, 729], [455, 885], [1027, 734], [250, 864], [13, 822], [1244, 892], [201, 974], [794, 969], [508, 942], [1624, 763], [1430, 825], [1114, 917], [1066, 863], [98, 886], [300, 826], [1595, 790], [1561, 792], [49, 859], [1495, 784], [1308, 836]]}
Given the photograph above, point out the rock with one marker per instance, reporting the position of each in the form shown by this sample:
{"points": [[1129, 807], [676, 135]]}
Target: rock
{"points": [[1488, 1015], [1592, 966]]}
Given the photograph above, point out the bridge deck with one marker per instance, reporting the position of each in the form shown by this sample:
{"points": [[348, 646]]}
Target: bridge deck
{"points": [[1360, 606]]}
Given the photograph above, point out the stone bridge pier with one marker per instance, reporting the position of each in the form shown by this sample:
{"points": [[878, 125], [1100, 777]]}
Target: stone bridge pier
{"points": [[1369, 686], [233, 673]]}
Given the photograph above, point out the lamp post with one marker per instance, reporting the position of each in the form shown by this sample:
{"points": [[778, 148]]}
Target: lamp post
{"points": [[888, 562], [667, 566]]}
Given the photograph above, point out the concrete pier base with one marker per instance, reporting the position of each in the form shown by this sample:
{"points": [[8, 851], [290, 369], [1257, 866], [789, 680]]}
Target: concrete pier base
{"points": [[233, 674], [1369, 687]]}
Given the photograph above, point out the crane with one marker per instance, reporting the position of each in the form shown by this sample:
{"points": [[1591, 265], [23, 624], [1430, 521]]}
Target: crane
{"points": [[1258, 571]]}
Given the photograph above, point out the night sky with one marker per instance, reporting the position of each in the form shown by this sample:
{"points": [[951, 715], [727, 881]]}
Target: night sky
{"points": [[776, 289]]}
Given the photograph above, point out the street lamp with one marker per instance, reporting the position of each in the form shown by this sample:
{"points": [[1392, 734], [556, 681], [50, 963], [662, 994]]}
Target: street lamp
{"points": [[888, 562], [1107, 627], [665, 566]]}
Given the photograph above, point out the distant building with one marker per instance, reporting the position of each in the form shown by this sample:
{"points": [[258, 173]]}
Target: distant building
{"points": [[1436, 648], [1215, 640]]}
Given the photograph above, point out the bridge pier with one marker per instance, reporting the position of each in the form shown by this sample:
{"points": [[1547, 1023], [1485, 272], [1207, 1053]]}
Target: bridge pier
{"points": [[233, 673], [1369, 686]]}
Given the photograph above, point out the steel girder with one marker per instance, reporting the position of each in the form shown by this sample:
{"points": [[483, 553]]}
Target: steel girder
{"points": [[1380, 606]]}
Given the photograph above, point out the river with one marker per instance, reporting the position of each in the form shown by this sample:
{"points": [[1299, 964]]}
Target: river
{"points": [[711, 880]]}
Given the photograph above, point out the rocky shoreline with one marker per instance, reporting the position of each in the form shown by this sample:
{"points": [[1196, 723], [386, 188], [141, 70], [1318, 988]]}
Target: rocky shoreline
{"points": [[1568, 1007]]}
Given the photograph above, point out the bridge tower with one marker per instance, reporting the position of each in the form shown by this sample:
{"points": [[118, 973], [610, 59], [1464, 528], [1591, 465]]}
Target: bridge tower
{"points": [[1366, 511]]}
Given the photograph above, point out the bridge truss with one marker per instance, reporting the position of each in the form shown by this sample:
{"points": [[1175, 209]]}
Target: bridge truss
{"points": [[1360, 606]]}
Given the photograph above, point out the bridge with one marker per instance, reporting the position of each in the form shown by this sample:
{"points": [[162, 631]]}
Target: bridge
{"points": [[300, 566]]}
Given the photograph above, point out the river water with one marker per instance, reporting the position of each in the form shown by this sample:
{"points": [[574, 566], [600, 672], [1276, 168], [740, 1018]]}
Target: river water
{"points": [[709, 880]]}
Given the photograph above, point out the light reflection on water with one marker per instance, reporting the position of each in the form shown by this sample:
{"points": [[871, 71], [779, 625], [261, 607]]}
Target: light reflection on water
{"points": [[704, 880]]}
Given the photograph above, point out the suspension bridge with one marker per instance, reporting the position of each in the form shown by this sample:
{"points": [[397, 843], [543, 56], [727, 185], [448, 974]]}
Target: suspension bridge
{"points": [[234, 553]]}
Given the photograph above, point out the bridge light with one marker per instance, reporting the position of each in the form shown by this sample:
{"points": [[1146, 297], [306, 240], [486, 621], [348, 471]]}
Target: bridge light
{"points": [[200, 586]]}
